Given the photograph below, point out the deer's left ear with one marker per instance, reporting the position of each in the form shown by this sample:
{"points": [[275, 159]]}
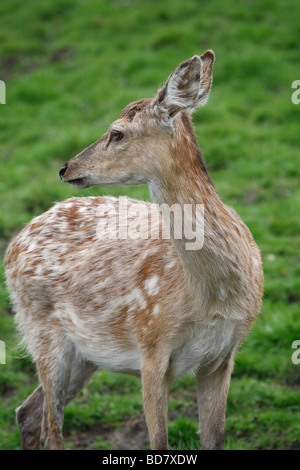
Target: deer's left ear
{"points": [[188, 86]]}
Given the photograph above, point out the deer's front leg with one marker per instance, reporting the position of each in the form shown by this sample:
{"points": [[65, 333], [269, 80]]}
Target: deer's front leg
{"points": [[155, 398]]}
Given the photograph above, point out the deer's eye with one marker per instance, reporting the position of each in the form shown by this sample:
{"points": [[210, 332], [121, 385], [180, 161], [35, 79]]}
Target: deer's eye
{"points": [[115, 136]]}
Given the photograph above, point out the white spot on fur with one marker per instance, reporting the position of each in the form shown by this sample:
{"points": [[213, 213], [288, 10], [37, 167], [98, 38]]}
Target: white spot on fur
{"points": [[155, 310], [135, 296], [151, 285], [32, 246], [171, 265]]}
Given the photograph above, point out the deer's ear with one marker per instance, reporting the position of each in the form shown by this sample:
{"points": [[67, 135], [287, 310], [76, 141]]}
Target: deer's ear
{"points": [[206, 75], [188, 86]]}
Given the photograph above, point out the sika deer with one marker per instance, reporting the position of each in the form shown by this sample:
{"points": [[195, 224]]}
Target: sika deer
{"points": [[147, 306]]}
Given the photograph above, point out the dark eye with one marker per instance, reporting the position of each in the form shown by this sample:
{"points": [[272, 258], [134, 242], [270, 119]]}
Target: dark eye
{"points": [[116, 136]]}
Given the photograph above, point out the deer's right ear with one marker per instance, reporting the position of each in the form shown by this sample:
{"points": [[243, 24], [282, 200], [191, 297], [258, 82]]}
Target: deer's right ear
{"points": [[188, 86]]}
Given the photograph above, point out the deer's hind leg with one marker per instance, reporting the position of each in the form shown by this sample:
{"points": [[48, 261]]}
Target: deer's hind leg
{"points": [[30, 414], [29, 419]]}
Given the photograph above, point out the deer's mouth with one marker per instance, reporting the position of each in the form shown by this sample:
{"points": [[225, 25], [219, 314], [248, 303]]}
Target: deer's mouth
{"points": [[78, 183]]}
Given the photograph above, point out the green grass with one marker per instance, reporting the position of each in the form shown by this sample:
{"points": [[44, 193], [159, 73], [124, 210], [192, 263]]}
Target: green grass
{"points": [[69, 68]]}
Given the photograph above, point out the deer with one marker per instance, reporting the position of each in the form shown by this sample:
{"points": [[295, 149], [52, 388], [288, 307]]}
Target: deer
{"points": [[146, 306]]}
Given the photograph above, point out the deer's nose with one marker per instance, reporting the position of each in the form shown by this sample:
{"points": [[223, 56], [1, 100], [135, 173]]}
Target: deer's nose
{"points": [[63, 170]]}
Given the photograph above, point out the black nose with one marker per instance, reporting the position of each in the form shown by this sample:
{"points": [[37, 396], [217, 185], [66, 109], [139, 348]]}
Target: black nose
{"points": [[63, 170]]}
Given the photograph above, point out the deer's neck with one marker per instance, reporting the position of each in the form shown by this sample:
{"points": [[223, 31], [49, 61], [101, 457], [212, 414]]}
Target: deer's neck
{"points": [[206, 234]]}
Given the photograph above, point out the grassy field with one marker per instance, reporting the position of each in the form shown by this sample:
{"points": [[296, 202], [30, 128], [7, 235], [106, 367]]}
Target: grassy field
{"points": [[70, 66]]}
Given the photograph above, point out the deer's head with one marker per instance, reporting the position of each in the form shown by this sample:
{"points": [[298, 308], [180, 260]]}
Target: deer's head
{"points": [[137, 147]]}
